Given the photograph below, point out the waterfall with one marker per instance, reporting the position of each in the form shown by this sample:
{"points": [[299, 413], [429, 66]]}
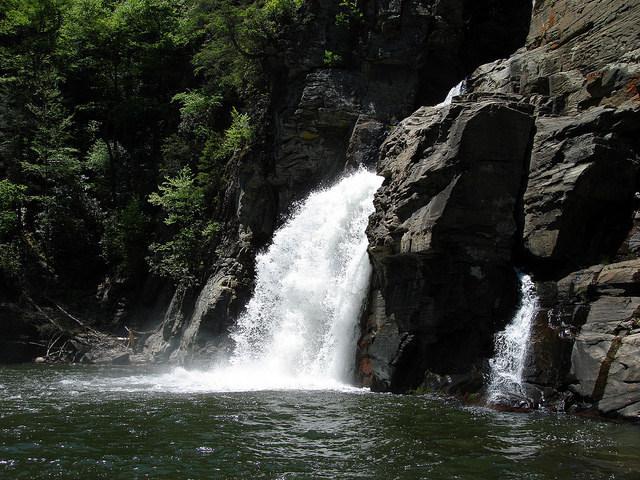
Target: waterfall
{"points": [[505, 381], [310, 287], [459, 89], [299, 329]]}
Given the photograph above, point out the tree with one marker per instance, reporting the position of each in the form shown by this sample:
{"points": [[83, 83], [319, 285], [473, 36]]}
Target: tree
{"points": [[182, 256], [11, 198]]}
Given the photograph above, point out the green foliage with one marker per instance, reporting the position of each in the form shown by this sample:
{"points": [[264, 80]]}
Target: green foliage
{"points": [[97, 159], [239, 134], [101, 101], [10, 264], [349, 13], [182, 256], [53, 162], [196, 111], [332, 59], [11, 198], [237, 37], [180, 198], [124, 239]]}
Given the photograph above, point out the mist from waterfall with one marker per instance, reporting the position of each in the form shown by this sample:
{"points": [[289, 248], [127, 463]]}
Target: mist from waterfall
{"points": [[507, 366]]}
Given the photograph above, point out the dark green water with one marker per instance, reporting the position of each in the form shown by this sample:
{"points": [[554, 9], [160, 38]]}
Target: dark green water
{"points": [[86, 423]]}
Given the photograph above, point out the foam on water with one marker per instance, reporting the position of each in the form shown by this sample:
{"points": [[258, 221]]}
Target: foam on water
{"points": [[226, 379]]}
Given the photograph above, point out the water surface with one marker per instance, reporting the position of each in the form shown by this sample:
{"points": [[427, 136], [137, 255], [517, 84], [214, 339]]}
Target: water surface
{"points": [[123, 423]]}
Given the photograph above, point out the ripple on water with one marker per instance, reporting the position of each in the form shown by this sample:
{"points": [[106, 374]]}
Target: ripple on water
{"points": [[102, 432]]}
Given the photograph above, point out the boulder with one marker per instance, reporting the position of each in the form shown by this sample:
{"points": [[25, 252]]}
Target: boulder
{"points": [[586, 337]]}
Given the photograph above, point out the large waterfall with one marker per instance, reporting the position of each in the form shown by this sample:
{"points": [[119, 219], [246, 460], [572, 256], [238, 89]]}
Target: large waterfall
{"points": [[310, 287], [505, 382], [299, 329]]}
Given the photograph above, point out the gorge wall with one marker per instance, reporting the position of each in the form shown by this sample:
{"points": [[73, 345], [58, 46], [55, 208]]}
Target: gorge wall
{"points": [[320, 119], [535, 168]]}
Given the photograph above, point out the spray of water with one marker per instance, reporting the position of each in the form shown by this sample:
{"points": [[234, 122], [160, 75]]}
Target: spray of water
{"points": [[505, 382], [310, 287]]}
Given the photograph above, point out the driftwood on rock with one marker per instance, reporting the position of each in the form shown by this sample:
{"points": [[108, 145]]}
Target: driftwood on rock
{"points": [[74, 340]]}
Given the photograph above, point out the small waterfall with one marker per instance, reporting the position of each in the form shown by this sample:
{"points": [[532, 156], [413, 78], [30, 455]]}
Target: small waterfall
{"points": [[505, 382], [459, 89]]}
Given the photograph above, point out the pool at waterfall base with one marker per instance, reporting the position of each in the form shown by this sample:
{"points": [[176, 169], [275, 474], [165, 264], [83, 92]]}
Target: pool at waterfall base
{"points": [[81, 421]]}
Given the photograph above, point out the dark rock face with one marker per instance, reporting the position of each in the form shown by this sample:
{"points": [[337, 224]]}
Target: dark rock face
{"points": [[573, 221], [580, 69], [441, 239], [320, 119], [592, 318], [579, 198], [579, 54]]}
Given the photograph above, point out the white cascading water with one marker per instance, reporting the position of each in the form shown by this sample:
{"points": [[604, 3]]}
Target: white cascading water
{"points": [[456, 91], [507, 366], [310, 287], [299, 330]]}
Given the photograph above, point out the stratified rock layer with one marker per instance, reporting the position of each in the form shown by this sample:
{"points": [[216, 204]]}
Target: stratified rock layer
{"points": [[586, 339]]}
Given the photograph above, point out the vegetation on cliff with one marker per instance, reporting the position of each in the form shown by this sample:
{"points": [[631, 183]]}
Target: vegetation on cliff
{"points": [[117, 118], [119, 121]]}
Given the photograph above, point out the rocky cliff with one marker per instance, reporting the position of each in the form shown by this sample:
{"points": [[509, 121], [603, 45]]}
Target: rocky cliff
{"points": [[336, 90], [442, 238], [536, 168]]}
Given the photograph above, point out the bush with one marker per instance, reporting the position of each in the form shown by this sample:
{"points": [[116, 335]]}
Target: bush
{"points": [[332, 59], [349, 14], [239, 135]]}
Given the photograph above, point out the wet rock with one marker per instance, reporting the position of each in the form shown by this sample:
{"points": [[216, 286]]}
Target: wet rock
{"points": [[160, 344], [594, 317], [123, 359], [216, 304], [549, 354], [365, 141], [463, 385], [441, 238]]}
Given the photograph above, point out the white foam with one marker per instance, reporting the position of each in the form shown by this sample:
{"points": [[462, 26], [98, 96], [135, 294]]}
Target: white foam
{"points": [[456, 91], [310, 287]]}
